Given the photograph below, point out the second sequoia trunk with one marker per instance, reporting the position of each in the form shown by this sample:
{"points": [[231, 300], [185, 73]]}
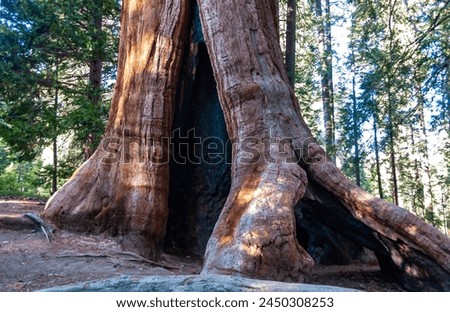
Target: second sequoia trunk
{"points": [[255, 234], [274, 157]]}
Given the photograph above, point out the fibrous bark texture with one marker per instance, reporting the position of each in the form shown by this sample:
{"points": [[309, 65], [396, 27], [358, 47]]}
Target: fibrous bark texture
{"points": [[255, 234], [256, 222], [122, 189]]}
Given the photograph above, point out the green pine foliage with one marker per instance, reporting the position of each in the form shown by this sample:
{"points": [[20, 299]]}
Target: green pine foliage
{"points": [[399, 52], [392, 96], [48, 92]]}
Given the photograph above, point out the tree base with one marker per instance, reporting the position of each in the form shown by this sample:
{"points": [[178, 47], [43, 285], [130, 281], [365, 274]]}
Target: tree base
{"points": [[118, 200]]}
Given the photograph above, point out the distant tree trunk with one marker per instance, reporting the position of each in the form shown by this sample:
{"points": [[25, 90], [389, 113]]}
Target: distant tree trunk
{"points": [[392, 134], [355, 126], [291, 33], [392, 159], [417, 200], [275, 160], [391, 144], [377, 151], [326, 55], [429, 197], [55, 165], [55, 134], [95, 76]]}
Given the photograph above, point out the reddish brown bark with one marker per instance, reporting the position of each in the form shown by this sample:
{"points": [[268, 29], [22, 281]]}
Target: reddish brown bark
{"points": [[121, 190], [255, 234], [258, 103]]}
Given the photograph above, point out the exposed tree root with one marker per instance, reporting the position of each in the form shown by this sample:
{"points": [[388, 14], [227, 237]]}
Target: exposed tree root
{"points": [[407, 264]]}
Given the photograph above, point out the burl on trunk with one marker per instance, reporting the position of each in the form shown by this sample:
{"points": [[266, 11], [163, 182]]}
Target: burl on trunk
{"points": [[123, 189]]}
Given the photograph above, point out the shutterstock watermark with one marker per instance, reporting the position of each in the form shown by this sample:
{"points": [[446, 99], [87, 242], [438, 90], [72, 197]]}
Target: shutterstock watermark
{"points": [[189, 148]]}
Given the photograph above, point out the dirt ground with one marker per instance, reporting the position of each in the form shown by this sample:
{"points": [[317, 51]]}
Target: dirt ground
{"points": [[29, 261]]}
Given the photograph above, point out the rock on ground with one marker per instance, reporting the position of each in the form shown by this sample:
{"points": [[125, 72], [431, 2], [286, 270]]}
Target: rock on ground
{"points": [[191, 283]]}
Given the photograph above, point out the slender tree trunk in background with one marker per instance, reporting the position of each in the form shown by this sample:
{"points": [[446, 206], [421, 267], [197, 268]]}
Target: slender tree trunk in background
{"points": [[55, 165], [429, 198], [357, 157], [445, 211], [326, 55], [95, 76], [377, 151], [122, 189], [291, 33], [418, 197], [275, 161], [55, 135], [392, 159], [446, 112], [392, 136], [329, 75]]}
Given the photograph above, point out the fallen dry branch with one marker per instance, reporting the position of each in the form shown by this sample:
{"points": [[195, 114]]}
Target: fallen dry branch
{"points": [[44, 226], [135, 256], [142, 259], [45, 233]]}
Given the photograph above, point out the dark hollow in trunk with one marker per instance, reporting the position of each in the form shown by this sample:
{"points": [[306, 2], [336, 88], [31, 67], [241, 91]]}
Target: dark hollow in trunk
{"points": [[200, 177]]}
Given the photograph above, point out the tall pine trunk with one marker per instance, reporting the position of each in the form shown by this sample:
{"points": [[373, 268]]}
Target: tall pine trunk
{"points": [[291, 33], [429, 197], [55, 132], [326, 73], [391, 102], [377, 151], [95, 76], [355, 124], [392, 157]]}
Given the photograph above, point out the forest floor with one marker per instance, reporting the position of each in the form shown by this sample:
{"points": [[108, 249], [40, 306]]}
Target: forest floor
{"points": [[29, 261]]}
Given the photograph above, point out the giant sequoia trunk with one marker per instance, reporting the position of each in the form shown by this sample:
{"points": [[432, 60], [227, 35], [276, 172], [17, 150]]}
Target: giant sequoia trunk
{"points": [[122, 189], [276, 164]]}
